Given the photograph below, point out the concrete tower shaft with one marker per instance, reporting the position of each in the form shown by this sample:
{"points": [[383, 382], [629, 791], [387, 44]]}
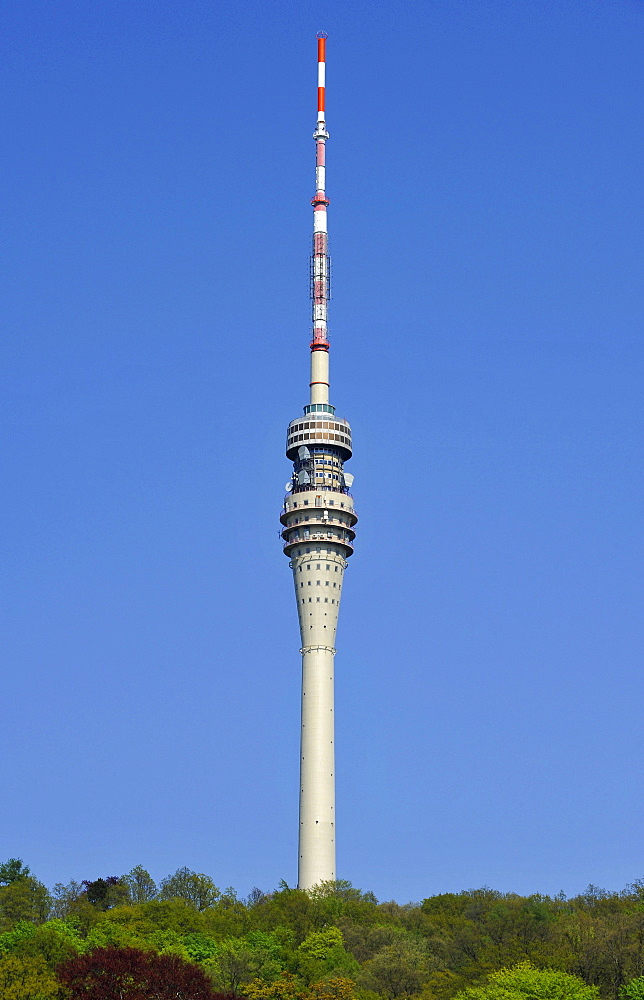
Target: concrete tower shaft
{"points": [[318, 520], [317, 576]]}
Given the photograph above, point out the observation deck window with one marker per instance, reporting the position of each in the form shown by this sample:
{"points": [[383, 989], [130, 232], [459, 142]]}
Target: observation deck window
{"points": [[319, 408]]}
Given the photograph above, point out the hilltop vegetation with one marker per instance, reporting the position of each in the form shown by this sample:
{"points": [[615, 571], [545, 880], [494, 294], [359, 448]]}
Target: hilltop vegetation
{"points": [[186, 938]]}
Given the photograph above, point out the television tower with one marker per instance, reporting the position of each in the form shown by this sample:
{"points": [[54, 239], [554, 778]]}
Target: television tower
{"points": [[318, 520]]}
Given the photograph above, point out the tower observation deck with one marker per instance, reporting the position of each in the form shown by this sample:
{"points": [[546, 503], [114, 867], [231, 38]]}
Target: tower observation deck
{"points": [[318, 520]]}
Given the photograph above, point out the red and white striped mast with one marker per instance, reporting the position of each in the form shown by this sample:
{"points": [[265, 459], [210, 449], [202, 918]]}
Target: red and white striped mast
{"points": [[320, 263]]}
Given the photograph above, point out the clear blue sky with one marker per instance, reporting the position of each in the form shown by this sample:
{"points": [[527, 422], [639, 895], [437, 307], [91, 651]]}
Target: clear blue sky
{"points": [[485, 173]]}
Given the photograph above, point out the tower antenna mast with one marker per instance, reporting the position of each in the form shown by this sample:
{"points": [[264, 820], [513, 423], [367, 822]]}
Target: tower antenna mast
{"points": [[318, 520]]}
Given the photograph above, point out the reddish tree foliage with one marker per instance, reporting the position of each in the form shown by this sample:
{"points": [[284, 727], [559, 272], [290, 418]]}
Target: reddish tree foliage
{"points": [[130, 974]]}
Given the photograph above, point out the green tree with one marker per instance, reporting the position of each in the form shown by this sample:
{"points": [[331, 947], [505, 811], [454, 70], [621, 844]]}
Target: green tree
{"points": [[339, 898], [320, 944], [232, 965], [237, 961], [166, 942], [26, 979], [525, 982], [198, 890], [11, 870], [12, 941], [54, 941], [199, 947], [286, 987], [342, 889], [337, 988], [364, 941], [633, 990], [270, 952], [398, 969], [108, 933], [141, 886], [24, 898], [171, 914], [64, 897], [289, 908], [322, 953]]}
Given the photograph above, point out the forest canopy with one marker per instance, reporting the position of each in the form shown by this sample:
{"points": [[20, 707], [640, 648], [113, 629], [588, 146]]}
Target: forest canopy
{"points": [[130, 935]]}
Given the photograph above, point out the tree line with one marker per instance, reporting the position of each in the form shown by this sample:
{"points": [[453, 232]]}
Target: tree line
{"points": [[127, 937]]}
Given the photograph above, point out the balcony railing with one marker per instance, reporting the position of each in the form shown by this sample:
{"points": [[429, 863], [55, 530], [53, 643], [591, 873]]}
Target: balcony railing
{"points": [[318, 537]]}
